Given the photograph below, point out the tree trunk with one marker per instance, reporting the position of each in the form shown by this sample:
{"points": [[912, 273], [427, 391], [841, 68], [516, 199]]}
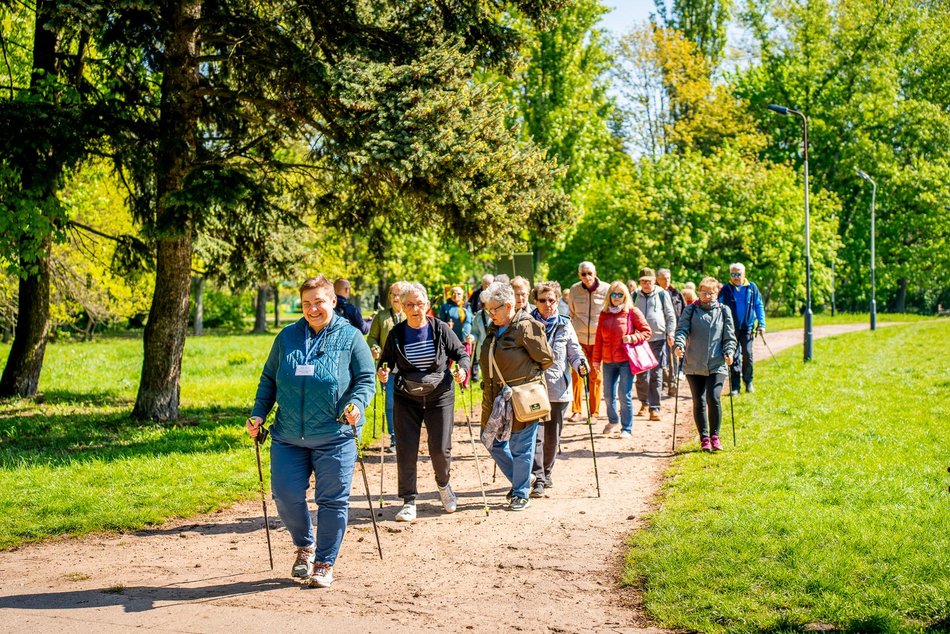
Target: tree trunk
{"points": [[21, 376], [199, 284], [276, 290], [901, 303], [159, 389], [260, 309]]}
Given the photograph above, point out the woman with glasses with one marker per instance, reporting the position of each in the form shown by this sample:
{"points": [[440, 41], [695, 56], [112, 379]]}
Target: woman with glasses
{"points": [[418, 351], [620, 324], [517, 348], [707, 335], [567, 355]]}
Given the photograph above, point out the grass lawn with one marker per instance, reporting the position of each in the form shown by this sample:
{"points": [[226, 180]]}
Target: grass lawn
{"points": [[77, 463], [834, 507], [825, 319]]}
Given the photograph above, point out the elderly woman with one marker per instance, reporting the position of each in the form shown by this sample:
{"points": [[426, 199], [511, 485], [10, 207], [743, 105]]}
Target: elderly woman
{"points": [[707, 334], [522, 288], [455, 312], [620, 324], [567, 354], [383, 322], [518, 349], [320, 374], [418, 351]]}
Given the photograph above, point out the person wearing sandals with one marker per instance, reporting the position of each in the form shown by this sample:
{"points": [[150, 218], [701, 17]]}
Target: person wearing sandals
{"points": [[317, 369], [708, 336], [620, 323], [515, 351], [420, 349], [567, 355], [383, 322]]}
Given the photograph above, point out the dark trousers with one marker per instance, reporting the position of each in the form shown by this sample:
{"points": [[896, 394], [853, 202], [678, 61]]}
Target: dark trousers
{"points": [[549, 437], [410, 412], [707, 390], [650, 383], [743, 362]]}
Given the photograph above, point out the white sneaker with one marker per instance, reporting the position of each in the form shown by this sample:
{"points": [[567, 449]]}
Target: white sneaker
{"points": [[303, 566], [322, 576], [625, 435], [449, 501], [407, 513]]}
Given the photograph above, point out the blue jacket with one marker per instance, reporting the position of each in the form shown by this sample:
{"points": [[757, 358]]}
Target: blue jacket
{"points": [[452, 312], [754, 309], [309, 406], [351, 313], [567, 354]]}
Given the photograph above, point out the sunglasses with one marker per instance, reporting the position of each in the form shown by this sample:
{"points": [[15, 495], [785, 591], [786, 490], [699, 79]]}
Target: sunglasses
{"points": [[547, 301], [616, 294], [735, 275], [587, 274]]}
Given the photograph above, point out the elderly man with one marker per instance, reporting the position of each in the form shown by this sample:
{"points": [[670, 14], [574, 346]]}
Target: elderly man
{"points": [[475, 301], [656, 306], [585, 301], [347, 310], [745, 301], [663, 280]]}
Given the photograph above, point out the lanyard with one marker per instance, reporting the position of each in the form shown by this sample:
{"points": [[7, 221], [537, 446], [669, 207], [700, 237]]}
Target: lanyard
{"points": [[318, 339]]}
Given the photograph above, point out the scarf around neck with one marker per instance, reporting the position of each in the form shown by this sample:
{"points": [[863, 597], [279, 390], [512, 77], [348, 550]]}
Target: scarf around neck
{"points": [[550, 325]]}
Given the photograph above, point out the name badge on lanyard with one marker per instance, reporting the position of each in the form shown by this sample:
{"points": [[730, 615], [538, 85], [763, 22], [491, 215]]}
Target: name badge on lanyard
{"points": [[304, 370]]}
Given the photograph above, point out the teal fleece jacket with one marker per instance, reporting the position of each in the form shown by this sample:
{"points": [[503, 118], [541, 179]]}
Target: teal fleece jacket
{"points": [[309, 404]]}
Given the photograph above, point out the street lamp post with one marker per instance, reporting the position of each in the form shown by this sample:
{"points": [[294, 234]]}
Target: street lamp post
{"points": [[864, 175], [785, 111]]}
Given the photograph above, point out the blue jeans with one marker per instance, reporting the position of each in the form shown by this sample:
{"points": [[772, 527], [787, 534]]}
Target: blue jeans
{"points": [[332, 461], [390, 391], [515, 457], [619, 373]]}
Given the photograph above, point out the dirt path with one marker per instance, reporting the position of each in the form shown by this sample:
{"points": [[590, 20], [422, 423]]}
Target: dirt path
{"points": [[552, 568]]}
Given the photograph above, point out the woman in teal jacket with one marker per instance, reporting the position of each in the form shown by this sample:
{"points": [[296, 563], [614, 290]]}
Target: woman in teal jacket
{"points": [[317, 368]]}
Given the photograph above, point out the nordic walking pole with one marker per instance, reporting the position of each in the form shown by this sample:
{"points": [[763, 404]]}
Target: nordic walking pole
{"points": [[471, 436], [769, 349], [732, 411], [369, 498], [382, 460], [258, 441], [676, 398], [590, 428]]}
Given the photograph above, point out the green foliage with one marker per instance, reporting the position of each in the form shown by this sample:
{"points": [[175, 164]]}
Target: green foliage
{"points": [[831, 509], [224, 309], [703, 22]]}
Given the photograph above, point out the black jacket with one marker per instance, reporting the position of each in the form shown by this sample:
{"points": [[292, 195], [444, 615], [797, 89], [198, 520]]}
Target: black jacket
{"points": [[447, 348]]}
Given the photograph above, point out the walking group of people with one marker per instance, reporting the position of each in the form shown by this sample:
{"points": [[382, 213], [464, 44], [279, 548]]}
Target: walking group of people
{"points": [[533, 348]]}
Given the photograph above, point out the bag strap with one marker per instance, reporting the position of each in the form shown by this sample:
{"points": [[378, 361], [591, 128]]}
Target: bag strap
{"points": [[494, 364]]}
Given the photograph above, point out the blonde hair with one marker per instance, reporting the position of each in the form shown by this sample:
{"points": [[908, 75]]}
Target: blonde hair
{"points": [[689, 295], [709, 283], [618, 286]]}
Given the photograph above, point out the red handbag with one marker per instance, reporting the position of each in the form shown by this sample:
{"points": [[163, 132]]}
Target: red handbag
{"points": [[640, 355]]}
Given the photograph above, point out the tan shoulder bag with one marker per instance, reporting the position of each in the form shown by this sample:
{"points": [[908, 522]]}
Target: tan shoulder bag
{"points": [[529, 401]]}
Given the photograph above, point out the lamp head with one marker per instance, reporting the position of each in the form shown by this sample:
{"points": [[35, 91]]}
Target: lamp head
{"points": [[782, 110], [864, 175]]}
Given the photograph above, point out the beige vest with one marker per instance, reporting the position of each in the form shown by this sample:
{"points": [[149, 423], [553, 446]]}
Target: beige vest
{"points": [[585, 310]]}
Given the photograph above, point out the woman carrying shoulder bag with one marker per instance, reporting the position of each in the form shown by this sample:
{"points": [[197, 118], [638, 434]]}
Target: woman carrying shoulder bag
{"points": [[515, 353]]}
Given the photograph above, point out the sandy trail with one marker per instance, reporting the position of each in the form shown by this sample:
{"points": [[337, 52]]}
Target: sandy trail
{"points": [[552, 568]]}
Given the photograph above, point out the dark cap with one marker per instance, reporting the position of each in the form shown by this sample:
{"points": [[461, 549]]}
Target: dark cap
{"points": [[647, 272]]}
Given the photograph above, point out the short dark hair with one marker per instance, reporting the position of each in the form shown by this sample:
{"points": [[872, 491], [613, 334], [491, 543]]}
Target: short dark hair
{"points": [[319, 281]]}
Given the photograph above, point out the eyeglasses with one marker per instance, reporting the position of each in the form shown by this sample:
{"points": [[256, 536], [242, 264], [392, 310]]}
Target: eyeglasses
{"points": [[616, 294], [707, 293], [492, 311], [587, 274], [414, 305], [547, 301], [735, 275]]}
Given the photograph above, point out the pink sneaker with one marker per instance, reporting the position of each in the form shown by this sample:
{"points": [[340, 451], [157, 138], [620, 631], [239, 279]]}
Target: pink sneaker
{"points": [[716, 445], [706, 446]]}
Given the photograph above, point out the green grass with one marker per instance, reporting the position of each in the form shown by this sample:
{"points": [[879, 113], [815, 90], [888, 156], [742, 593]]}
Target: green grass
{"points": [[825, 319], [833, 508], [77, 463]]}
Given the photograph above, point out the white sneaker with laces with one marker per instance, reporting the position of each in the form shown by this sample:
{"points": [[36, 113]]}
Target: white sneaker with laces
{"points": [[625, 435], [303, 566], [322, 576], [449, 500], [407, 513]]}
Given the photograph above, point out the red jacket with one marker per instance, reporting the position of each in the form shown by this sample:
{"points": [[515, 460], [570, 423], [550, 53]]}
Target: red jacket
{"points": [[609, 345]]}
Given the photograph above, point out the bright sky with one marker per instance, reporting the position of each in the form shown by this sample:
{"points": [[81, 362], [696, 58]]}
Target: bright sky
{"points": [[625, 14]]}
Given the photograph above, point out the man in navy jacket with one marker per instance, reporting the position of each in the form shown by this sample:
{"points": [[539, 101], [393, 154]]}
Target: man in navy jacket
{"points": [[745, 301], [347, 310]]}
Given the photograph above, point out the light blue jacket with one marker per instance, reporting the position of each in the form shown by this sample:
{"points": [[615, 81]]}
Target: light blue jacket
{"points": [[567, 351], [309, 406]]}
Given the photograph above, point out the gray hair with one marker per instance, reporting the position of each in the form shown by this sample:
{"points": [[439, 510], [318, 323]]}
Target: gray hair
{"points": [[396, 288], [520, 281], [501, 278], [413, 288], [665, 273], [586, 265], [738, 266], [488, 277], [499, 292]]}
